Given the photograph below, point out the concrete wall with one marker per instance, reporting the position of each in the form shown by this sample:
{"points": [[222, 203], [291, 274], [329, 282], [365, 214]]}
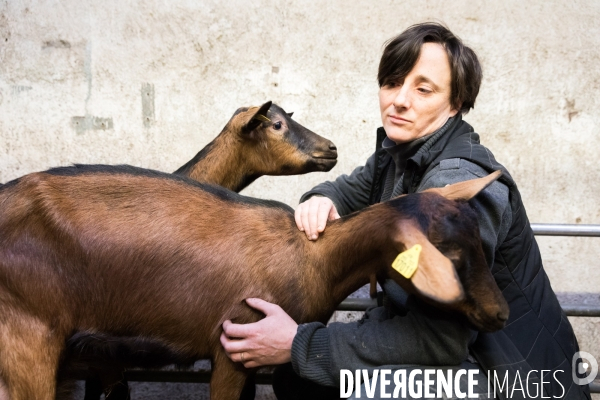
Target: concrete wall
{"points": [[149, 83]]}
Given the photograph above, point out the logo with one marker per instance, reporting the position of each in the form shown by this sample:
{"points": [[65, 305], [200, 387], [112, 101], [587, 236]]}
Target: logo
{"points": [[582, 364]]}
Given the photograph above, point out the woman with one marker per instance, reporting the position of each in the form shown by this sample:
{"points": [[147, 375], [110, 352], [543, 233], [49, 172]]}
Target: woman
{"points": [[428, 79]]}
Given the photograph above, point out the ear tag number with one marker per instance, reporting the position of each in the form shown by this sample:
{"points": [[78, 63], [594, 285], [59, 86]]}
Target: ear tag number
{"points": [[407, 262]]}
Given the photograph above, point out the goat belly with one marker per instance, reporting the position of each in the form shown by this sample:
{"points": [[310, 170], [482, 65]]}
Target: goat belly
{"points": [[101, 349]]}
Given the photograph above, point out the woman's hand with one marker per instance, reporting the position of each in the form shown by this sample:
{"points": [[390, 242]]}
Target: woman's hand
{"points": [[312, 215], [265, 342]]}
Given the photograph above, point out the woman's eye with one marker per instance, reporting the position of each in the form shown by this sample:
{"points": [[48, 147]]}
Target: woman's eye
{"points": [[424, 90], [277, 125]]}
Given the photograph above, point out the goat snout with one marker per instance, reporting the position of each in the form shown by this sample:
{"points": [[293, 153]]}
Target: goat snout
{"points": [[490, 318], [324, 156], [503, 315], [326, 152]]}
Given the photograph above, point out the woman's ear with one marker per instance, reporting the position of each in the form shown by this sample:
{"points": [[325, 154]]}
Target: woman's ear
{"points": [[455, 110]]}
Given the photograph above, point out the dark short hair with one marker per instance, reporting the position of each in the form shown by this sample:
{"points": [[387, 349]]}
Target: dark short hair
{"points": [[402, 52]]}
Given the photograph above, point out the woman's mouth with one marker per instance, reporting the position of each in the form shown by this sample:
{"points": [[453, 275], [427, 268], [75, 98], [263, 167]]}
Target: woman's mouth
{"points": [[398, 120]]}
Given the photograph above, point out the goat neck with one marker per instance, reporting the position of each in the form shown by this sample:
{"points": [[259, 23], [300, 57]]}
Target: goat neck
{"points": [[221, 162], [349, 251]]}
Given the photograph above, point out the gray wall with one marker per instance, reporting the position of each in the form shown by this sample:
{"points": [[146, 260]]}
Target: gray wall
{"points": [[73, 76]]}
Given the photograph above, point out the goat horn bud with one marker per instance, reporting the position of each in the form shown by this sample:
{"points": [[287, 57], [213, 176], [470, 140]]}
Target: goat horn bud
{"points": [[262, 118]]}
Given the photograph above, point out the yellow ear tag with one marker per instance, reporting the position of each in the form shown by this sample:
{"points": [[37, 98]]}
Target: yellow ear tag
{"points": [[407, 262]]}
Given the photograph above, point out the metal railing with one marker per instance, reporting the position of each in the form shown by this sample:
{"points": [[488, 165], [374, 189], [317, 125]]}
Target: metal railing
{"points": [[566, 230], [572, 310]]}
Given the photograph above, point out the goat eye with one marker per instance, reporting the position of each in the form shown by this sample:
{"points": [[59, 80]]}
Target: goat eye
{"points": [[277, 125]]}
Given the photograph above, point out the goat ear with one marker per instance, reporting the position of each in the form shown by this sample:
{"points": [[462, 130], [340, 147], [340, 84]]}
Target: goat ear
{"points": [[468, 189], [258, 118], [435, 277]]}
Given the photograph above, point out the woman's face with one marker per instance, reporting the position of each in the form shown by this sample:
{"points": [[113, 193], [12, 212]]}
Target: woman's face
{"points": [[421, 104]]}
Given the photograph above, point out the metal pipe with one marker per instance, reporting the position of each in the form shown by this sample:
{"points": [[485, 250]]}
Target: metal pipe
{"points": [[581, 310], [354, 304], [566, 230], [572, 310]]}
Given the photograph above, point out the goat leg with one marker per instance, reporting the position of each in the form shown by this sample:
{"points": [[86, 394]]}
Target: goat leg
{"points": [[93, 389], [249, 391], [227, 379], [29, 356], [114, 383]]}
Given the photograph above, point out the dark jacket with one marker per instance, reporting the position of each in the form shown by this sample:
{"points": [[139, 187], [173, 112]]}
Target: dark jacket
{"points": [[537, 336]]}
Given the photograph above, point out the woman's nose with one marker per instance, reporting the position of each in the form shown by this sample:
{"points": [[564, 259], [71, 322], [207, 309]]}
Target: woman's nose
{"points": [[402, 97]]}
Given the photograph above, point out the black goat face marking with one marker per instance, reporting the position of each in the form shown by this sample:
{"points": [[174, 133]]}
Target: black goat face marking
{"points": [[452, 227]]}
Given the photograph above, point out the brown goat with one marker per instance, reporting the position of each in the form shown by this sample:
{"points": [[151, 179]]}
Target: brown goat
{"points": [[260, 141], [136, 253], [256, 141]]}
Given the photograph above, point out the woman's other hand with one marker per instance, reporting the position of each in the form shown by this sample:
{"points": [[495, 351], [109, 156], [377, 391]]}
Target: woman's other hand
{"points": [[312, 215]]}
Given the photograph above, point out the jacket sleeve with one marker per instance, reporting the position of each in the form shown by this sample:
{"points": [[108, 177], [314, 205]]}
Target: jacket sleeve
{"points": [[422, 335], [349, 193]]}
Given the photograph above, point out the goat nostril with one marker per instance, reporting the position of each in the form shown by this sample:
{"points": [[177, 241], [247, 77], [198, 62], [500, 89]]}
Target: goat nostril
{"points": [[502, 316], [332, 146]]}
